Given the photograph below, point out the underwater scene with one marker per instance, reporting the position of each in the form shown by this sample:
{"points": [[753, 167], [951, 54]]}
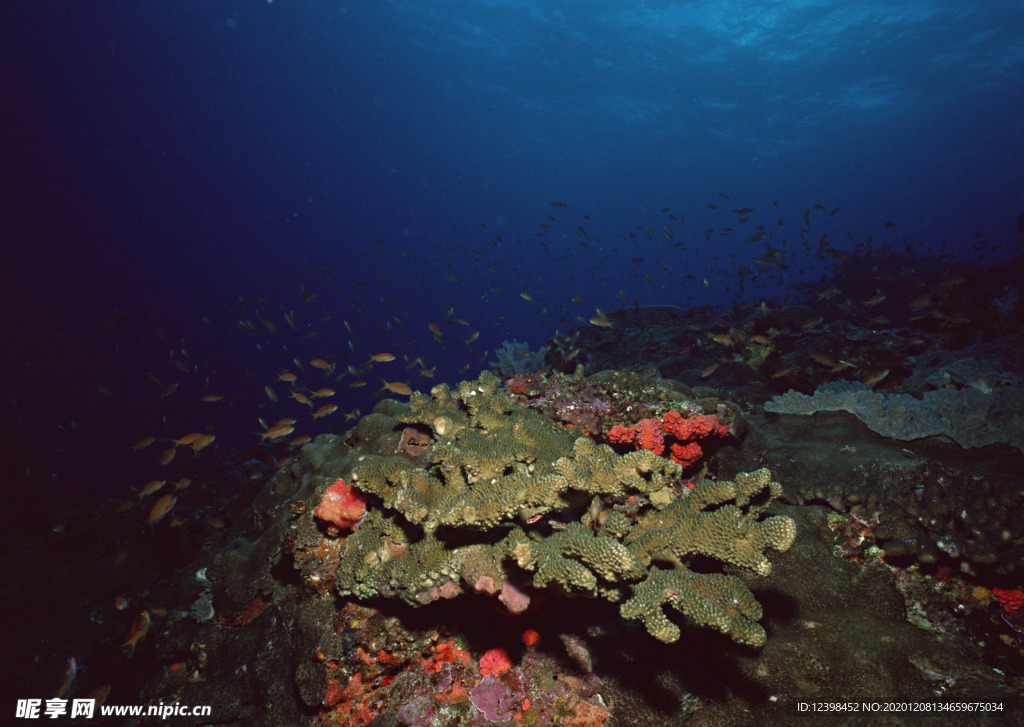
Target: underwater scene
{"points": [[451, 363]]}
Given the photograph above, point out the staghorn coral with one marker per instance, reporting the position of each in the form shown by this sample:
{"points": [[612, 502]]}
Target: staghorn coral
{"points": [[503, 491]]}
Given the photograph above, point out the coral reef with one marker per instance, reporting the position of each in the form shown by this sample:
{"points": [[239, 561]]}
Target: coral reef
{"points": [[505, 494], [969, 416]]}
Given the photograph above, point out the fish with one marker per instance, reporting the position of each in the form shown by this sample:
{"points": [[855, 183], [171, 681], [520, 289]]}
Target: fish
{"points": [[287, 377], [322, 412], [807, 325], [349, 415], [182, 483], [210, 398], [319, 363], [201, 441], [823, 359], [763, 340], [143, 443], [271, 394], [744, 211], [472, 337], [300, 397], [98, 696], [160, 508], [68, 679], [602, 321], [357, 383], [299, 441], [428, 373], [435, 329], [137, 632], [382, 357], [151, 487], [526, 296], [723, 338], [324, 393], [709, 370], [398, 387], [871, 378], [874, 300], [167, 455], [277, 431]]}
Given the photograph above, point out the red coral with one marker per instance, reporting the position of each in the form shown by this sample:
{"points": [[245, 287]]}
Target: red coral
{"points": [[621, 435], [686, 454], [494, 662], [696, 427], [1012, 600], [341, 507], [649, 436]]}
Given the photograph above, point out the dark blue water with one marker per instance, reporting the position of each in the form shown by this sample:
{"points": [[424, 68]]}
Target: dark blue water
{"points": [[172, 170]]}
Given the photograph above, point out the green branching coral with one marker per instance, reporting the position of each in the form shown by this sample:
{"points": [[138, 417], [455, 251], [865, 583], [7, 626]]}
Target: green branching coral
{"points": [[504, 489]]}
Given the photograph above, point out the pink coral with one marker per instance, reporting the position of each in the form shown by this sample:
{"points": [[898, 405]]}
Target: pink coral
{"points": [[341, 507]]}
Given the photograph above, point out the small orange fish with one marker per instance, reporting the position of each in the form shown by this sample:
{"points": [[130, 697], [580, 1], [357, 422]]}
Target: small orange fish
{"points": [[276, 432], [356, 384], [160, 509], [324, 393], [152, 487], [324, 411], [182, 483], [723, 338], [138, 632], [709, 370], [472, 337], [287, 377], [871, 378], [210, 398], [167, 455], [428, 373], [299, 441], [435, 329], [287, 421], [382, 357], [143, 443], [763, 340], [823, 359], [397, 387], [921, 301], [271, 394], [202, 441], [602, 322], [319, 363], [807, 325], [526, 296], [300, 397]]}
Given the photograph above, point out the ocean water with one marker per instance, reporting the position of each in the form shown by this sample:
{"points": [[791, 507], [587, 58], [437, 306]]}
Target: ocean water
{"points": [[183, 179]]}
